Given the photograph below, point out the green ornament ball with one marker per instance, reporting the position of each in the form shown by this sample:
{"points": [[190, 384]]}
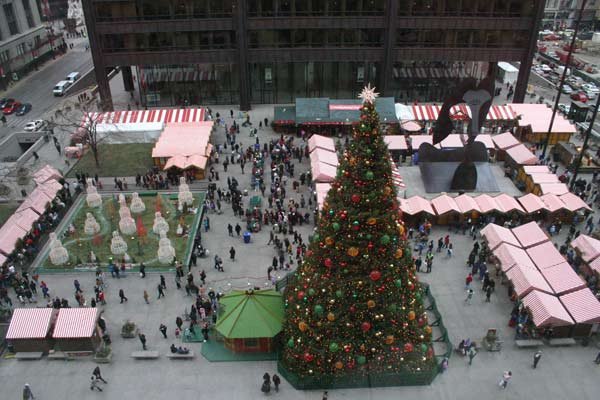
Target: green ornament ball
{"points": [[333, 347], [290, 343], [369, 236], [418, 295], [339, 293], [369, 175], [424, 347], [385, 239], [331, 212], [361, 360], [398, 282], [335, 226], [316, 237], [393, 307], [319, 309], [345, 271], [311, 292], [369, 151]]}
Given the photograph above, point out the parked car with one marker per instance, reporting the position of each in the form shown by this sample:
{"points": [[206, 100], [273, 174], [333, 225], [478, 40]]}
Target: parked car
{"points": [[24, 109], [546, 68], [590, 87], [579, 96], [11, 108], [566, 89], [552, 54], [564, 108], [5, 101], [590, 95], [34, 126]]}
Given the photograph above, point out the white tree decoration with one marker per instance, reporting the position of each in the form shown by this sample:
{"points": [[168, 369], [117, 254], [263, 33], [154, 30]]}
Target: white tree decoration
{"points": [[160, 224], [368, 94], [91, 226], [93, 199], [166, 252], [58, 253], [118, 246], [185, 196], [124, 210], [137, 205]]}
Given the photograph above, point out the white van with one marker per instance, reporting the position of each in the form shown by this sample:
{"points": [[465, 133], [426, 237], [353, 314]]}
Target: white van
{"points": [[61, 88], [72, 77]]}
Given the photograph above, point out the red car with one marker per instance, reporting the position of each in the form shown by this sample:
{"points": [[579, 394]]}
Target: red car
{"points": [[579, 96], [11, 107]]}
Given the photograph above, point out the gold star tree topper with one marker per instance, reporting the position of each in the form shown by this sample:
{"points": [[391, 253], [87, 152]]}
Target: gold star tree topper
{"points": [[368, 94]]}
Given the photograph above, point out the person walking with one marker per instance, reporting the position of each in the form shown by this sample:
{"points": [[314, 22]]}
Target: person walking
{"points": [[230, 229], [324, 395], [142, 270], [98, 375], [276, 382], [146, 297], [77, 286], [505, 378], [468, 281], [160, 291], [449, 250], [469, 296], [163, 329], [163, 282], [232, 253], [94, 384], [238, 229], [488, 294], [143, 340], [597, 360], [418, 263], [266, 385], [27, 393], [536, 358], [472, 354], [203, 277], [122, 296]]}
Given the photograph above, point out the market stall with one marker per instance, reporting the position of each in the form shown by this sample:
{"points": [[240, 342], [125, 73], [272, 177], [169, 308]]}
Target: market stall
{"points": [[509, 256], [554, 188], [503, 142], [530, 235], [284, 119], [517, 156], [495, 235], [574, 203], [587, 247], [322, 172], [446, 209], [414, 209], [553, 203], [397, 146], [545, 255], [467, 206], [29, 329], [546, 312], [531, 169], [532, 205], [534, 121], [487, 204], [322, 189], [250, 320], [562, 279], [9, 234], [77, 329], [584, 308], [415, 141], [533, 181], [37, 200], [508, 204], [321, 142], [325, 156], [452, 141], [524, 279], [46, 173], [24, 219]]}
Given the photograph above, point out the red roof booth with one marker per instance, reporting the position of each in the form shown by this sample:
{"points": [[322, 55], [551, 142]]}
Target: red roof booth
{"points": [[446, 209], [29, 329], [545, 255], [548, 312], [495, 235], [562, 279], [77, 329], [584, 307], [530, 234], [509, 256], [468, 206], [525, 279]]}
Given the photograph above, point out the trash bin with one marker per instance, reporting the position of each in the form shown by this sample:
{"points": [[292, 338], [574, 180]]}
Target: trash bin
{"points": [[247, 237]]}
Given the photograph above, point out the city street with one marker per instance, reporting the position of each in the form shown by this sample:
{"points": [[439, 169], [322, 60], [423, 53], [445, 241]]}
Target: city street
{"points": [[36, 88]]}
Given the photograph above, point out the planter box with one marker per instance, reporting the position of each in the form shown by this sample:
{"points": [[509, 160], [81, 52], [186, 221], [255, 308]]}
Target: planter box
{"points": [[130, 335], [104, 360]]}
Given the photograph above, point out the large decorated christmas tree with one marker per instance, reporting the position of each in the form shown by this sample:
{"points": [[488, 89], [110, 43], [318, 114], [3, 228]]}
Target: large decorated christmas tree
{"points": [[354, 308]]}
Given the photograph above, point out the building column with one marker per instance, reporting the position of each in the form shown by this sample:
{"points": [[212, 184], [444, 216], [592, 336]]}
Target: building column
{"points": [[127, 78], [389, 43], [99, 65], [527, 60], [242, 53]]}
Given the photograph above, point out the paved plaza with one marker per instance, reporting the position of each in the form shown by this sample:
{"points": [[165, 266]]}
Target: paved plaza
{"points": [[562, 373]]}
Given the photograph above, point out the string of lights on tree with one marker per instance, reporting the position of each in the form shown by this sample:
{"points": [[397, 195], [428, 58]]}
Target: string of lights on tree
{"points": [[355, 305]]}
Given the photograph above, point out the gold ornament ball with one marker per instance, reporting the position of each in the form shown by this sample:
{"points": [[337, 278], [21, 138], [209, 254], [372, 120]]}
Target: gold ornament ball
{"points": [[389, 339], [371, 221], [339, 365], [399, 253], [331, 317], [371, 303], [353, 251], [411, 315], [302, 326], [329, 240]]}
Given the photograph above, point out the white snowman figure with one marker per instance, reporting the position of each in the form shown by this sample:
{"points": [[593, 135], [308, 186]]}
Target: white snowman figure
{"points": [[137, 205], [91, 226], [58, 253], [93, 199], [160, 224], [118, 246]]}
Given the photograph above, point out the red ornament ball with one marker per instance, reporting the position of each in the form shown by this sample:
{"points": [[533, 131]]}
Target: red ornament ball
{"points": [[300, 295], [355, 198], [375, 275], [352, 309], [328, 263], [408, 348], [308, 357], [365, 326]]}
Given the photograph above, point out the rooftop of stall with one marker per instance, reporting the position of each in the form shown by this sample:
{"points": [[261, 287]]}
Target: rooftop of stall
{"points": [[284, 115], [325, 111], [534, 121]]}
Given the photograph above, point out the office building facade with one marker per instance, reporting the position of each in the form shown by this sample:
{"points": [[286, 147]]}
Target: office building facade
{"points": [[24, 40], [272, 51]]}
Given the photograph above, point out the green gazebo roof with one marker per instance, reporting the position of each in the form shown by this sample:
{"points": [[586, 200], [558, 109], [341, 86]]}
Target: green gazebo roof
{"points": [[251, 314]]}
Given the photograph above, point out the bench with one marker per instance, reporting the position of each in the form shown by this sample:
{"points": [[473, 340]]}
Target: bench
{"points": [[57, 355], [562, 342], [528, 343], [177, 356], [145, 355], [29, 355]]}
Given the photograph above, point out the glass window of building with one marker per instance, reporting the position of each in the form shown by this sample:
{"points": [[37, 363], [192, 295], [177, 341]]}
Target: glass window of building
{"points": [[284, 7], [318, 7], [373, 7], [302, 7], [11, 19], [28, 14], [267, 8], [200, 8]]}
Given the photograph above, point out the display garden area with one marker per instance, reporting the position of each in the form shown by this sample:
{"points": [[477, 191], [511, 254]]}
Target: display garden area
{"points": [[89, 234]]}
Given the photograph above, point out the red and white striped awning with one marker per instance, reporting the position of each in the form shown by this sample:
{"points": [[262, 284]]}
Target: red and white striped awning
{"points": [[30, 323], [430, 112], [163, 115], [75, 323], [396, 177]]}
